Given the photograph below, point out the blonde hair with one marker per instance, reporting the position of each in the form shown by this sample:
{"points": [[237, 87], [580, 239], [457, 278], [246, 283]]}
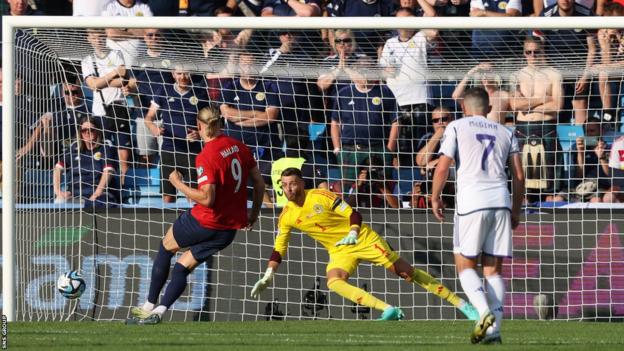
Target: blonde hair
{"points": [[211, 117]]}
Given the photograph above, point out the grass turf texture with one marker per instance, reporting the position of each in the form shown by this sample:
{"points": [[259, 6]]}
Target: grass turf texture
{"points": [[310, 335]]}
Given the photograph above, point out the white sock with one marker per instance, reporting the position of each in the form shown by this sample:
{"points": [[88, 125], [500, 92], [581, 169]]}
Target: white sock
{"points": [[495, 286], [147, 306], [160, 310], [471, 283]]}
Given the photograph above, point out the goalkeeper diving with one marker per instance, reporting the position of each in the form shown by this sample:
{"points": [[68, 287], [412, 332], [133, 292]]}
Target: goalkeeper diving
{"points": [[326, 218]]}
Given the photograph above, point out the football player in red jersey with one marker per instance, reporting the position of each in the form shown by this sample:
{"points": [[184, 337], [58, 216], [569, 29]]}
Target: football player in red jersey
{"points": [[223, 169]]}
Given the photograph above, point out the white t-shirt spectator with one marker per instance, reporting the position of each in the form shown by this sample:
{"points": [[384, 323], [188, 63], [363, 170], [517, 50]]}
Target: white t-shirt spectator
{"points": [[409, 58], [89, 7], [104, 65], [128, 47], [616, 160]]}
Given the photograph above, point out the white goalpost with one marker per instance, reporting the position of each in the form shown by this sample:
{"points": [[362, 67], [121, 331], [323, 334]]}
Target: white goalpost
{"points": [[568, 253]]}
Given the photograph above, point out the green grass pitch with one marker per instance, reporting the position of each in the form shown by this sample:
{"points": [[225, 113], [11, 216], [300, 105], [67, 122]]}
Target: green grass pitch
{"points": [[311, 335]]}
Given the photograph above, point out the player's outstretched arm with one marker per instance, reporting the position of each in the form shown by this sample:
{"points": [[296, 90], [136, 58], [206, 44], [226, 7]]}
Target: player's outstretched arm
{"points": [[262, 284], [518, 188], [439, 180]]}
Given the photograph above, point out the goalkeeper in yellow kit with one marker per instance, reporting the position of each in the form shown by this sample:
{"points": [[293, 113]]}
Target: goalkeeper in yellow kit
{"points": [[333, 223]]}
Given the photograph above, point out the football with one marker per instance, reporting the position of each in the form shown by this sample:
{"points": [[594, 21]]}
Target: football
{"points": [[543, 306], [71, 285]]}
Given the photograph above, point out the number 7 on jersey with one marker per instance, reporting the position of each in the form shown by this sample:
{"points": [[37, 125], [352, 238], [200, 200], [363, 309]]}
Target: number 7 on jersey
{"points": [[489, 146]]}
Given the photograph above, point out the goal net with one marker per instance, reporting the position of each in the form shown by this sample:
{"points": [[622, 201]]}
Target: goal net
{"points": [[98, 118]]}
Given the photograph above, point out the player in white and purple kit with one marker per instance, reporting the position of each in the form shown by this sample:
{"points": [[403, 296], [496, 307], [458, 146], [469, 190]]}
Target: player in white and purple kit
{"points": [[484, 212]]}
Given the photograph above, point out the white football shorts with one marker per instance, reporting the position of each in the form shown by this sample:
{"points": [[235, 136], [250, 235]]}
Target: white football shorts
{"points": [[487, 231]]}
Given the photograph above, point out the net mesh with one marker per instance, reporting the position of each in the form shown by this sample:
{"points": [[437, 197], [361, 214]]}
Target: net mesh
{"points": [[324, 97]]}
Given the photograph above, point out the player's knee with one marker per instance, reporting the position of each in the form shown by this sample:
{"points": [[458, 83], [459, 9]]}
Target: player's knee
{"points": [[169, 242], [333, 282]]}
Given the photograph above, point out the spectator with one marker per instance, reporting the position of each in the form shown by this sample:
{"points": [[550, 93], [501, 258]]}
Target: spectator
{"points": [[178, 105], [89, 168], [19, 8], [88, 7], [105, 73], [539, 5], [54, 7], [251, 110], [361, 119], [219, 44], [225, 38], [147, 81], [452, 8], [208, 7], [491, 82], [304, 8], [537, 97], [592, 163], [22, 8], [568, 48], [424, 8], [371, 189], [298, 99], [368, 41], [53, 132], [164, 7], [616, 163], [427, 157], [125, 40], [611, 60], [336, 66], [404, 59], [486, 43]]}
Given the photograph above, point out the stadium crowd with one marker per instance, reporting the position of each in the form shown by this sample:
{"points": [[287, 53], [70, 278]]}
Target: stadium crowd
{"points": [[368, 126]]}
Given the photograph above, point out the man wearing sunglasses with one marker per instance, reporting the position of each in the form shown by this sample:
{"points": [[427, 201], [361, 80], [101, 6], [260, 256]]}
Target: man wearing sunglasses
{"points": [[572, 51], [537, 98]]}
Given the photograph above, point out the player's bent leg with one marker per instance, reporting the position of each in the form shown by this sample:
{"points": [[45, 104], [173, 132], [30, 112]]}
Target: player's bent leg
{"points": [[185, 265], [413, 275], [169, 241], [160, 271], [337, 282]]}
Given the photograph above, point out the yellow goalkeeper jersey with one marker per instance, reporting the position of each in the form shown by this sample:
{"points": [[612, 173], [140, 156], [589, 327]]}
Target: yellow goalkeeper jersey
{"points": [[323, 216]]}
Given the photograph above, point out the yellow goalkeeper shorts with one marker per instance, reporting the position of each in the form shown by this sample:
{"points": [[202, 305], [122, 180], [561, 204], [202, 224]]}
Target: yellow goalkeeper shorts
{"points": [[370, 247]]}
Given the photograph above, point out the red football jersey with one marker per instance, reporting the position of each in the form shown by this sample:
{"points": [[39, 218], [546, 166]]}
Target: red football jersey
{"points": [[224, 162]]}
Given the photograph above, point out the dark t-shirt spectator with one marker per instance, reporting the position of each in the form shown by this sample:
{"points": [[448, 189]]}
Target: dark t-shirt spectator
{"points": [[281, 8], [84, 168], [259, 97], [204, 7], [179, 114], [565, 47], [164, 7], [365, 118]]}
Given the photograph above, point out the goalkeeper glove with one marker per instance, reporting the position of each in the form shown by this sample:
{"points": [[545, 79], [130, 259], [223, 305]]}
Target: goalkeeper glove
{"points": [[262, 283], [349, 239]]}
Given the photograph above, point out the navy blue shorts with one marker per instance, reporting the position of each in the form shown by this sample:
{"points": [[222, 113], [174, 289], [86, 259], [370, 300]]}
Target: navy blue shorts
{"points": [[203, 242]]}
